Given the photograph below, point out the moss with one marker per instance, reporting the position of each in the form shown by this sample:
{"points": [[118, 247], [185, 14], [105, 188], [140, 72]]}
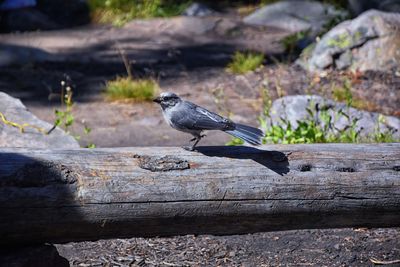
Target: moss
{"points": [[307, 52], [342, 41]]}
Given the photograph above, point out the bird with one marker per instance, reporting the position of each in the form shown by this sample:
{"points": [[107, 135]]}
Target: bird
{"points": [[190, 118]]}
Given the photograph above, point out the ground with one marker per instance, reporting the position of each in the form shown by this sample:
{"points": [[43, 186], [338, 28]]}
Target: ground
{"points": [[188, 56], [346, 247]]}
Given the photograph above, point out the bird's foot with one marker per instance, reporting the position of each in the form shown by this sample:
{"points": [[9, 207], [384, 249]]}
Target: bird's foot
{"points": [[189, 148]]}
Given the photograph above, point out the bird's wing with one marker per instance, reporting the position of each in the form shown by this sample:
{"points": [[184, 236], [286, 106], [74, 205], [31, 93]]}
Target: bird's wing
{"points": [[199, 118]]}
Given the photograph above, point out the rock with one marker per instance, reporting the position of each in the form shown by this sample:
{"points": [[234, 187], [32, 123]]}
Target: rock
{"points": [[40, 255], [42, 15], [369, 42], [357, 7], [295, 16], [15, 4], [26, 20], [10, 136], [66, 14], [198, 10], [294, 109], [20, 55]]}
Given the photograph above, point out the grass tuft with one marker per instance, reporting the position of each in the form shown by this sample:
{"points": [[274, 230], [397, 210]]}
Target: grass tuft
{"points": [[244, 62], [119, 12], [126, 88]]}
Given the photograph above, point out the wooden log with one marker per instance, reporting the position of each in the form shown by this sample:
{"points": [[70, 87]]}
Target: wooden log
{"points": [[72, 195]]}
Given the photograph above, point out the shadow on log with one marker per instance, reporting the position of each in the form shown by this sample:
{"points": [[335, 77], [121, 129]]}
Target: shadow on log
{"points": [[38, 255], [273, 160], [59, 196]]}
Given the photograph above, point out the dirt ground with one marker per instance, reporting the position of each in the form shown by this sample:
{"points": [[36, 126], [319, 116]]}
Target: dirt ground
{"points": [[193, 68], [345, 247]]}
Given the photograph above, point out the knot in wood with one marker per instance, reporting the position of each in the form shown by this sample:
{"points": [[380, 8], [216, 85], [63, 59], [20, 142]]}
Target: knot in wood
{"points": [[166, 163]]}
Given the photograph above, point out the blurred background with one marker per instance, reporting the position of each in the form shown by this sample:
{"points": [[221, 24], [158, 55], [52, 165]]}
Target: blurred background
{"points": [[83, 73], [243, 59]]}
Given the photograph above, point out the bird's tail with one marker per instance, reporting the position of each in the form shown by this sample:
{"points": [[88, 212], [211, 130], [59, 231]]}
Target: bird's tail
{"points": [[249, 134]]}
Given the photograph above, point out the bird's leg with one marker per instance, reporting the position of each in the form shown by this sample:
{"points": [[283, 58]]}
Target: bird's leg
{"points": [[197, 140], [195, 143]]}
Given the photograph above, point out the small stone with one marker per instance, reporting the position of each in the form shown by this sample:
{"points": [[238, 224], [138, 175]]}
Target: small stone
{"points": [[198, 10]]}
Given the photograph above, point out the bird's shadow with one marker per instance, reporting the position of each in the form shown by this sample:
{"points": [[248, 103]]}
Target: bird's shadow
{"points": [[273, 160]]}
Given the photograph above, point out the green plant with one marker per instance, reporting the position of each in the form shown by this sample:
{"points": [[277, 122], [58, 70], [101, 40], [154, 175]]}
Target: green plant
{"points": [[382, 137], [132, 89], [349, 134], [343, 93], [243, 62], [307, 131], [129, 88], [119, 12], [290, 42], [318, 127], [64, 116]]}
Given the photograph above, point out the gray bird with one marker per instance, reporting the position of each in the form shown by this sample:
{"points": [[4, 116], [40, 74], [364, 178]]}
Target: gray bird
{"points": [[187, 117]]}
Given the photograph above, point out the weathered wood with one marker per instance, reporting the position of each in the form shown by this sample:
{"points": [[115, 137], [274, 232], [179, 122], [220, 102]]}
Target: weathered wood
{"points": [[71, 195]]}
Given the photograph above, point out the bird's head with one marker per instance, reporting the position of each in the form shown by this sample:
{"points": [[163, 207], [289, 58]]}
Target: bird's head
{"points": [[167, 100]]}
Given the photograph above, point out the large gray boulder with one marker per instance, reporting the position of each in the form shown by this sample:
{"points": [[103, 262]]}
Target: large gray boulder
{"points": [[294, 16], [42, 15], [294, 109], [369, 42], [10, 136]]}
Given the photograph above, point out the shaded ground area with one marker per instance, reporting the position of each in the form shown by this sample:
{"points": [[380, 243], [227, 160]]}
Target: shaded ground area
{"points": [[347, 247], [187, 56]]}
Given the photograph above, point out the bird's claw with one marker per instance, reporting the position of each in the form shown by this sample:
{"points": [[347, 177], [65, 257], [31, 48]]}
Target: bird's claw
{"points": [[189, 148]]}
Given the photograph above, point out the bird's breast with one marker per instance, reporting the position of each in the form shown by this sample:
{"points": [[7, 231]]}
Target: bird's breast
{"points": [[168, 117]]}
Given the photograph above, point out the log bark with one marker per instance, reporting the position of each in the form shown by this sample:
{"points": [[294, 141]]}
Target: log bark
{"points": [[72, 195]]}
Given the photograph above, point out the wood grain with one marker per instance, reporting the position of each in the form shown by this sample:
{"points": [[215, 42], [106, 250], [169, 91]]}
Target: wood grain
{"points": [[87, 194]]}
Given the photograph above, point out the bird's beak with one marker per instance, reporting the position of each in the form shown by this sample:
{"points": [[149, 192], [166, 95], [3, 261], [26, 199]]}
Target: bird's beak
{"points": [[157, 100]]}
